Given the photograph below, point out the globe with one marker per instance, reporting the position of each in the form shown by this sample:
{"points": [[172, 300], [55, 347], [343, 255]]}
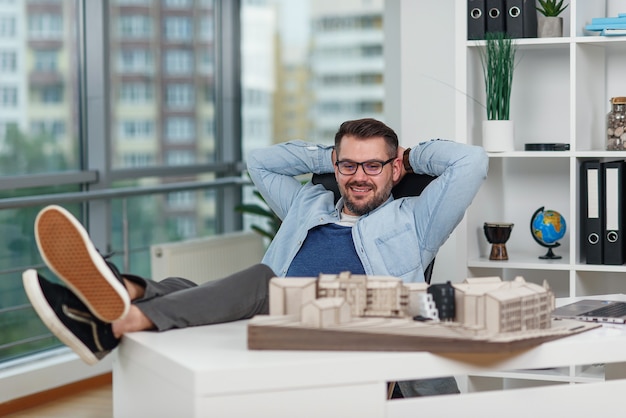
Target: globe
{"points": [[547, 228]]}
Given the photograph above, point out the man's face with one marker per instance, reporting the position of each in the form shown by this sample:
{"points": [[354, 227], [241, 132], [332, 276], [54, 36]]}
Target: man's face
{"points": [[363, 193]]}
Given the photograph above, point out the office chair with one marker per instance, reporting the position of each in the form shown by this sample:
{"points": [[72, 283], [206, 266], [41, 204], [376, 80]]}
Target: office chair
{"points": [[411, 185]]}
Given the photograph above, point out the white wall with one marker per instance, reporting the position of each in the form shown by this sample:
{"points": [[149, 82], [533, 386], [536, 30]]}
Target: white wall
{"points": [[419, 85]]}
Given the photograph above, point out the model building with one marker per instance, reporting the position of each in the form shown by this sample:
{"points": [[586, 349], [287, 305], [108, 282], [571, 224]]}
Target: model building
{"points": [[373, 313], [481, 304]]}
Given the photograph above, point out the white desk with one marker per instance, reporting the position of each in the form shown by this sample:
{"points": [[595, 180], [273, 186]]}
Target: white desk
{"points": [[208, 371]]}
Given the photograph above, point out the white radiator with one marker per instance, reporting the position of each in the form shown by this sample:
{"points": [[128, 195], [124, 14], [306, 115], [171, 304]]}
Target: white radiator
{"points": [[204, 259]]}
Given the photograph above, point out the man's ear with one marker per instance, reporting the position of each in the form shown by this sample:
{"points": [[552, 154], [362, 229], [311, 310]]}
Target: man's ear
{"points": [[398, 170]]}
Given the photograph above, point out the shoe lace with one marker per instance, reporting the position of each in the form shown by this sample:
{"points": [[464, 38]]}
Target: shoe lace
{"points": [[112, 266]]}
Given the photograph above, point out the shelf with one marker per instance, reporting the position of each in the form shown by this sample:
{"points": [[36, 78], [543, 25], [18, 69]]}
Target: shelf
{"points": [[600, 154], [517, 261], [522, 43], [600, 268], [550, 43], [532, 154]]}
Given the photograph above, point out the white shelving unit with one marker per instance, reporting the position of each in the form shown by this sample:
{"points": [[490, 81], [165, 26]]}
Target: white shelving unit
{"points": [[561, 92]]}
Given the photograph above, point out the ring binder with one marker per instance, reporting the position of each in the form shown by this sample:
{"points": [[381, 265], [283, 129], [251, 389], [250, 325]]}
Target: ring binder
{"points": [[496, 15], [475, 19], [613, 197], [592, 210]]}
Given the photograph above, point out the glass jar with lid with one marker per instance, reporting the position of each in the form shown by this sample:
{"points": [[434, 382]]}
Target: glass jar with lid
{"points": [[616, 125]]}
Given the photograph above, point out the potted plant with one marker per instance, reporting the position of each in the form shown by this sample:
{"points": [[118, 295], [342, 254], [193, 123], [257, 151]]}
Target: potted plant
{"points": [[498, 63], [549, 23]]}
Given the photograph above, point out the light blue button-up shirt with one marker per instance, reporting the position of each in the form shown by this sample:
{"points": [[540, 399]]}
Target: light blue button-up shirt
{"points": [[399, 238]]}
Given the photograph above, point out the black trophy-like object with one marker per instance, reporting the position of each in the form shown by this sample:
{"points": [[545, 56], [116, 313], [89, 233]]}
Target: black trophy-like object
{"points": [[550, 254], [497, 234]]}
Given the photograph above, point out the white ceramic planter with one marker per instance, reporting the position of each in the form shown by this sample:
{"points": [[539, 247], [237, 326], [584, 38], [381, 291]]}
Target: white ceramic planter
{"points": [[498, 135]]}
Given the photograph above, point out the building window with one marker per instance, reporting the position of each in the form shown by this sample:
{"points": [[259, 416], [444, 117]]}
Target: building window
{"points": [[178, 28], [137, 129], [7, 26], [54, 128], [179, 157], [45, 61], [178, 61], [136, 93], [52, 94], [135, 61], [180, 96], [45, 26], [135, 27], [136, 159], [185, 226], [8, 96], [8, 61], [181, 200], [207, 29], [180, 130], [176, 4]]}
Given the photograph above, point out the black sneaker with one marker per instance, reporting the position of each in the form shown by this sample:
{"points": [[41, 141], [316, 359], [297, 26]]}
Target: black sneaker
{"points": [[69, 319], [67, 250]]}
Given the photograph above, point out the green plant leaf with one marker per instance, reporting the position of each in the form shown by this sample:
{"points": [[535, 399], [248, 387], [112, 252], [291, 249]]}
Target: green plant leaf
{"points": [[498, 62], [254, 209], [551, 8]]}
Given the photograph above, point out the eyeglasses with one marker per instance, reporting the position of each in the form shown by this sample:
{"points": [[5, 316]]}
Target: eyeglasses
{"points": [[371, 168]]}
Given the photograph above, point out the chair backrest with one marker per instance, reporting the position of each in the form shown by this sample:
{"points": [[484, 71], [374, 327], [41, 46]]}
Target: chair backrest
{"points": [[411, 185]]}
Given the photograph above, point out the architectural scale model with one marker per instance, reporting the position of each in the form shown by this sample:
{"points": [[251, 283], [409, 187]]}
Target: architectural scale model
{"points": [[357, 312]]}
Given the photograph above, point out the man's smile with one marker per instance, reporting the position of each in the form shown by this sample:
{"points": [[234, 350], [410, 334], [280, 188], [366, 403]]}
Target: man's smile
{"points": [[360, 188]]}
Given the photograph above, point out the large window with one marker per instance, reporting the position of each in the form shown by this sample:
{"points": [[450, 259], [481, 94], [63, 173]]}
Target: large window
{"points": [[108, 115], [117, 108]]}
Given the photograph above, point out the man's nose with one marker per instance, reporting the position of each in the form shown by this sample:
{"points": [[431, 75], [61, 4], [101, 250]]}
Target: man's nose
{"points": [[360, 172]]}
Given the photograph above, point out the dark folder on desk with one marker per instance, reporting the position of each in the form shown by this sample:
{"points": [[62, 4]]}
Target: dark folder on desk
{"points": [[495, 15], [592, 210], [476, 20], [521, 18], [613, 195]]}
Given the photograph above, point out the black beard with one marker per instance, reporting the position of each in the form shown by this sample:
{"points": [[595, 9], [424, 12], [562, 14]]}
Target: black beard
{"points": [[360, 210]]}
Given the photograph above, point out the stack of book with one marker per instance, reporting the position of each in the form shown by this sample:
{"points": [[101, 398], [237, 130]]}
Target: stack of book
{"points": [[608, 26]]}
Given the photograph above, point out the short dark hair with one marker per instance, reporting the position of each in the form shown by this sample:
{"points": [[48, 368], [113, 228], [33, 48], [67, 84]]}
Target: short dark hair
{"points": [[368, 128]]}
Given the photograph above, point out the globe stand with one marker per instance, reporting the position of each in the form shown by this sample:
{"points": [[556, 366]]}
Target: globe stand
{"points": [[550, 254]]}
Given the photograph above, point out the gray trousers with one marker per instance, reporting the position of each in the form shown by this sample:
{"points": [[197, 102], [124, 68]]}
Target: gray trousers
{"points": [[179, 303]]}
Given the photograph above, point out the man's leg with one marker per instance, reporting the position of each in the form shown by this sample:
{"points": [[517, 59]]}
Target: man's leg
{"points": [[238, 296], [99, 295]]}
